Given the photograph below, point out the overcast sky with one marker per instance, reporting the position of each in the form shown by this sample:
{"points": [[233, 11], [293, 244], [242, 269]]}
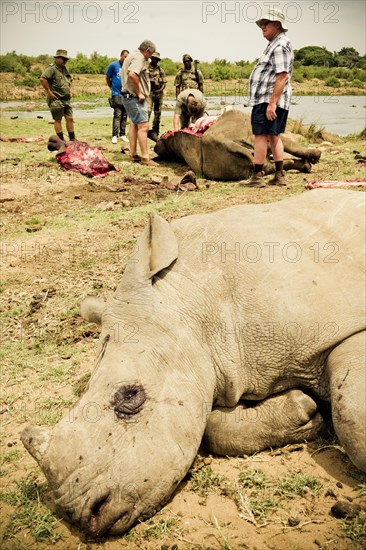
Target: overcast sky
{"points": [[205, 29]]}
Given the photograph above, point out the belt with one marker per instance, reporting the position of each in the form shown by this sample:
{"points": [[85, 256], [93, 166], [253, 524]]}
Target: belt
{"points": [[127, 94]]}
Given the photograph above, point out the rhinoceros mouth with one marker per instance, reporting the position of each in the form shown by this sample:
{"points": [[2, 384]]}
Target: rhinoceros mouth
{"points": [[104, 516]]}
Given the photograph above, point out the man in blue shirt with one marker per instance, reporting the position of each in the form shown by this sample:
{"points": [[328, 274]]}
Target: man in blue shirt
{"points": [[114, 81]]}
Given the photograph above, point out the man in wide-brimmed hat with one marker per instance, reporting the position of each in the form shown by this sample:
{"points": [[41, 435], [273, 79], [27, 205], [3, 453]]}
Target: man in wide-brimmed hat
{"points": [[269, 93], [188, 77], [56, 81]]}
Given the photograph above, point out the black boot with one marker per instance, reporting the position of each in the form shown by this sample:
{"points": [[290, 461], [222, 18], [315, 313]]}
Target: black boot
{"points": [[279, 178], [61, 135], [72, 136], [154, 136]]}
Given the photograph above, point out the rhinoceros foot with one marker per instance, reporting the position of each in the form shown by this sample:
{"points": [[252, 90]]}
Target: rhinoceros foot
{"points": [[289, 417], [314, 155]]}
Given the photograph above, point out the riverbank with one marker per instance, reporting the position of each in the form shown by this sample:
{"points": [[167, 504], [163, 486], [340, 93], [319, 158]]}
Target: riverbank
{"points": [[341, 115], [93, 86]]}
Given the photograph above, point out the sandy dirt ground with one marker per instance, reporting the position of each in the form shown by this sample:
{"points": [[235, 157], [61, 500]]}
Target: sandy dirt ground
{"points": [[66, 236]]}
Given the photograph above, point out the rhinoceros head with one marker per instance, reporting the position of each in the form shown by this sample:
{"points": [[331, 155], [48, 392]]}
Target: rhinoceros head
{"points": [[120, 452]]}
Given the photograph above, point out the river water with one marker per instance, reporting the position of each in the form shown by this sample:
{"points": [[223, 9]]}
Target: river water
{"points": [[342, 115]]}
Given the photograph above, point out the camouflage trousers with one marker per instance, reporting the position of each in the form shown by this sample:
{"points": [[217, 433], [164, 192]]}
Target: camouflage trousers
{"points": [[156, 105]]}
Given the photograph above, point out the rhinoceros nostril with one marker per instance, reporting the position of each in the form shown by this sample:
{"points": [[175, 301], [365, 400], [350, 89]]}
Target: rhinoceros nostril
{"points": [[128, 400], [98, 506], [95, 514]]}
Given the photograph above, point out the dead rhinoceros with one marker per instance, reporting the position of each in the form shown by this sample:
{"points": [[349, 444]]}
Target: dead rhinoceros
{"points": [[225, 151], [255, 313]]}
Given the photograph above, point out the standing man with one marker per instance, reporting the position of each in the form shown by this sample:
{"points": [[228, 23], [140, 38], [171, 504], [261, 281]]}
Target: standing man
{"points": [[136, 91], [270, 95], [189, 107], [56, 81], [114, 82], [157, 82], [188, 77]]}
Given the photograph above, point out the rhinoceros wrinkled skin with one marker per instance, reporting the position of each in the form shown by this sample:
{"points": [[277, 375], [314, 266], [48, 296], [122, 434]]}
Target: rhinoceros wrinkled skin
{"points": [[225, 151], [230, 326]]}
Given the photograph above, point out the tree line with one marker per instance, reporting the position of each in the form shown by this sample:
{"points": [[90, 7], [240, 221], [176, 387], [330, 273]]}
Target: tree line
{"points": [[310, 62]]}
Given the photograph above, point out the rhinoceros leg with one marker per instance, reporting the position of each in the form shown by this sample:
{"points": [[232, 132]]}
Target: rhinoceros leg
{"points": [[289, 417], [308, 153], [302, 165], [346, 368]]}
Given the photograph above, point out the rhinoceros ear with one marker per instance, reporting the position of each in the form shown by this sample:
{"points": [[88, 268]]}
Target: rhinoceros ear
{"points": [[91, 309], [156, 249], [163, 244]]}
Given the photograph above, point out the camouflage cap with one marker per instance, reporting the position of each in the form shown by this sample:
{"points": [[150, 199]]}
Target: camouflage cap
{"points": [[61, 53], [187, 57], [156, 55]]}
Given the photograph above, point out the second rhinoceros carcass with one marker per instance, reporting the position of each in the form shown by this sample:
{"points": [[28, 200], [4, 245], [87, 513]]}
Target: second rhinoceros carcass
{"points": [[230, 326], [225, 150]]}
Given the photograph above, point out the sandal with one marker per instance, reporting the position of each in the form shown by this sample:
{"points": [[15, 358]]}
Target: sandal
{"points": [[149, 162], [135, 158]]}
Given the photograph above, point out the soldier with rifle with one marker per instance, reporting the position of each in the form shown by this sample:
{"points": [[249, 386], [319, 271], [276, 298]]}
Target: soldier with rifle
{"points": [[157, 82], [188, 77]]}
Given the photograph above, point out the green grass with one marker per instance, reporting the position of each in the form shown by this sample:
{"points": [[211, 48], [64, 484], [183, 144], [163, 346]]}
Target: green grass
{"points": [[29, 513], [11, 456], [362, 489], [34, 220], [259, 490], [261, 507], [254, 479], [355, 529], [157, 529], [51, 409], [298, 484], [266, 495], [203, 481]]}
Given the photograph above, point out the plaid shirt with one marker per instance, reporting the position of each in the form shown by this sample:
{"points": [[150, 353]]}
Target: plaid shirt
{"points": [[277, 58]]}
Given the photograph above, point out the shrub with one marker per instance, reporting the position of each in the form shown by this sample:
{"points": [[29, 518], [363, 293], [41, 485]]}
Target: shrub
{"points": [[30, 80], [357, 84], [297, 76], [333, 82], [169, 66], [358, 74]]}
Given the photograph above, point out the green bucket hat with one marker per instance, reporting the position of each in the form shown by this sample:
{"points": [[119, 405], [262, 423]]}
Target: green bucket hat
{"points": [[61, 53]]}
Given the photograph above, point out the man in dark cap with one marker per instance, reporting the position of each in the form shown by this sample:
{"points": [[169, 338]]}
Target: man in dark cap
{"points": [[56, 81], [188, 77]]}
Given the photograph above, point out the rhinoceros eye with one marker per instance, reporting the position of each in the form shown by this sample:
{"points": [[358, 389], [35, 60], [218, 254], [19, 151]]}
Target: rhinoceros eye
{"points": [[128, 400]]}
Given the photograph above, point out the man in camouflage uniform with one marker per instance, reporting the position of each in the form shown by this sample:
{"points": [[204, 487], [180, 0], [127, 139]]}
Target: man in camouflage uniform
{"points": [[158, 82], [188, 77], [56, 81], [190, 106]]}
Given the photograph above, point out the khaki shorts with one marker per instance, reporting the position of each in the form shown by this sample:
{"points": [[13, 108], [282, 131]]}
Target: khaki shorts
{"points": [[60, 108]]}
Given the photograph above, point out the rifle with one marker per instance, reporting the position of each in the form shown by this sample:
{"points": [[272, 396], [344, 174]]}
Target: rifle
{"points": [[195, 63]]}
